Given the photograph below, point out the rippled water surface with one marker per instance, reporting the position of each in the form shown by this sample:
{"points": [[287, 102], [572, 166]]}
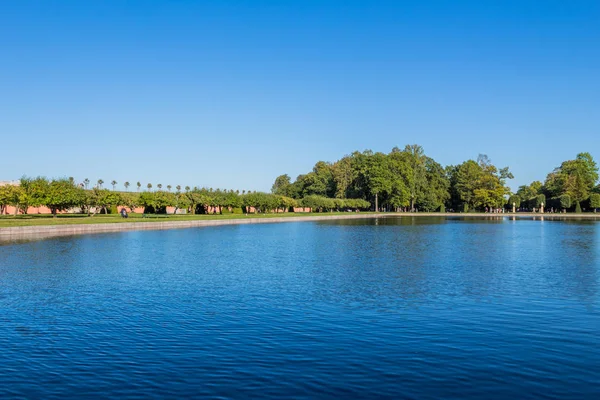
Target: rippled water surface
{"points": [[396, 308]]}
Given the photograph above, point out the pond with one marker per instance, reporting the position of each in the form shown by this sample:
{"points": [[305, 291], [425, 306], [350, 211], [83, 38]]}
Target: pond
{"points": [[408, 307]]}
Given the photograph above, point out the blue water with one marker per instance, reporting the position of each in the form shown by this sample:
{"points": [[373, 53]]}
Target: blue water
{"points": [[387, 308]]}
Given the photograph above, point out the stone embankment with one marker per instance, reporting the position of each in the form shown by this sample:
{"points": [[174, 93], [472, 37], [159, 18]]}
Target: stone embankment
{"points": [[45, 231]]}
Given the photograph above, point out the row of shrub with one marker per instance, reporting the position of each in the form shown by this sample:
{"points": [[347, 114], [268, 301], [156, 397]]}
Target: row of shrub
{"points": [[564, 202], [63, 194]]}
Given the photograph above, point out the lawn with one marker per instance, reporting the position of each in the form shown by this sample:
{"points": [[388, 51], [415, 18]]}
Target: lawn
{"points": [[69, 219]]}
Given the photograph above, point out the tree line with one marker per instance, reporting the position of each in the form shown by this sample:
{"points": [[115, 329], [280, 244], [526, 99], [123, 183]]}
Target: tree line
{"points": [[64, 194], [408, 180], [402, 180]]}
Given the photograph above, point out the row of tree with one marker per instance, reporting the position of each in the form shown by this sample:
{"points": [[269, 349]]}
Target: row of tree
{"points": [[63, 194], [404, 179], [573, 184], [408, 179]]}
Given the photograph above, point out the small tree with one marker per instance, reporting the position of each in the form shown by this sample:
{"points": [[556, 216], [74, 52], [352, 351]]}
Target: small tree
{"points": [[178, 187], [113, 183], [577, 208], [131, 200], [139, 185], [539, 200], [86, 182], [595, 201], [149, 186], [565, 202], [515, 201], [159, 186], [33, 192], [8, 197], [126, 184], [100, 183], [169, 187]]}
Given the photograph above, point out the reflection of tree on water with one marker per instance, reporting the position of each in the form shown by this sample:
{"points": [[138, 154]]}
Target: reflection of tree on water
{"points": [[416, 258], [580, 268]]}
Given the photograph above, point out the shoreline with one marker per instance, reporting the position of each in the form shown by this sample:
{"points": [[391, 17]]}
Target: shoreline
{"points": [[47, 231]]}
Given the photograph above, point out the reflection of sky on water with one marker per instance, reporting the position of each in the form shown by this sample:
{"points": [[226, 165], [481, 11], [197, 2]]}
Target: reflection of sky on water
{"points": [[385, 306]]}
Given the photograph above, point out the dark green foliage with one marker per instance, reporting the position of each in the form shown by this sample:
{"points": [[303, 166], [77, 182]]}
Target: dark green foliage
{"points": [[401, 179], [595, 201], [565, 201], [513, 200], [540, 200]]}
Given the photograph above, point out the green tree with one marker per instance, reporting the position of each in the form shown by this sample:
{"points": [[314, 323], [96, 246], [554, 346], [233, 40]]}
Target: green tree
{"points": [[113, 183], [126, 184], [32, 193], [139, 185], [282, 186], [130, 200], [62, 194], [514, 200], [595, 201], [416, 173], [181, 201], [9, 196], [465, 178], [100, 183], [436, 190], [480, 184], [343, 176], [575, 178], [565, 202]]}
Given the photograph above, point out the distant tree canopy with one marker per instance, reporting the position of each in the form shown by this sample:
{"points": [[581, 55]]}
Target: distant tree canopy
{"points": [[402, 179]]}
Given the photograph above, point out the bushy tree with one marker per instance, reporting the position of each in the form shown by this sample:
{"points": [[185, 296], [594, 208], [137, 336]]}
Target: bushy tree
{"points": [[480, 184], [575, 178], [63, 194], [10, 195], [595, 201], [32, 193]]}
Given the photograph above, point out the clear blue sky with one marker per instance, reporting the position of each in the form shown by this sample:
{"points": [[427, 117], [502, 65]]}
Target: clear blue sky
{"points": [[231, 94]]}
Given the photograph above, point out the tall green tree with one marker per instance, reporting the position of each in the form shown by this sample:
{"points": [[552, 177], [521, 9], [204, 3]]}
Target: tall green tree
{"points": [[283, 186], [416, 174], [575, 178]]}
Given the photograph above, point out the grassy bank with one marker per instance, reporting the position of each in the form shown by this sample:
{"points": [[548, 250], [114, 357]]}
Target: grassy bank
{"points": [[7, 221]]}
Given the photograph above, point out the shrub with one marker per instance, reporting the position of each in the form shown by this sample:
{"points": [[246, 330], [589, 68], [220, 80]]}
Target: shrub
{"points": [[539, 200], [565, 201], [514, 199], [595, 201]]}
